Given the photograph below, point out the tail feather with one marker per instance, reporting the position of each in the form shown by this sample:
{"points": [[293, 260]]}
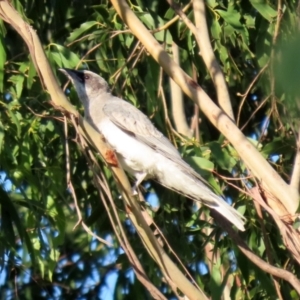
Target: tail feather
{"points": [[210, 199], [230, 214], [184, 180], [221, 206]]}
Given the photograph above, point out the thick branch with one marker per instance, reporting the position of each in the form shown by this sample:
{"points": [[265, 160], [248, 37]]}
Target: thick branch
{"points": [[178, 114], [253, 159], [202, 37], [203, 40]]}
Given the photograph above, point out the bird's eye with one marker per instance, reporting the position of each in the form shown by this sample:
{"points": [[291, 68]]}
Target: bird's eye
{"points": [[86, 77]]}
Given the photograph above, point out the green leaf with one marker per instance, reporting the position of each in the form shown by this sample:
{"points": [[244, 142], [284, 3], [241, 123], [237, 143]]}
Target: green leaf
{"points": [[216, 280], [278, 145], [15, 119], [81, 30], [18, 81], [64, 57], [232, 17], [11, 215], [164, 36], [203, 163], [264, 9], [212, 3], [31, 74], [222, 157]]}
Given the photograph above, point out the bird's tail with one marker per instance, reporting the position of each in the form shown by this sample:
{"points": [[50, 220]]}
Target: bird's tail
{"points": [[206, 196], [187, 182], [228, 212], [217, 203]]}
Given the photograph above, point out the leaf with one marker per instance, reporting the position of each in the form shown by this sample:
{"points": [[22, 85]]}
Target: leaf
{"points": [[222, 157], [203, 163], [11, 215], [169, 14], [52, 262], [216, 280], [278, 145], [232, 17], [212, 3], [216, 29], [18, 81], [64, 57], [164, 36], [81, 30], [14, 118], [31, 74], [264, 9]]}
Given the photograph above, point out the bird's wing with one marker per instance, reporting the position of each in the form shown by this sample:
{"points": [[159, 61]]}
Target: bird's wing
{"points": [[134, 122]]}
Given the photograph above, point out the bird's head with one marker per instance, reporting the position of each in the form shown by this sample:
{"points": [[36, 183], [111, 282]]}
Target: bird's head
{"points": [[88, 85]]}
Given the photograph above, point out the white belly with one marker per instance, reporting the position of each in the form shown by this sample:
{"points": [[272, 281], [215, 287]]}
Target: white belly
{"points": [[134, 156], [140, 159]]}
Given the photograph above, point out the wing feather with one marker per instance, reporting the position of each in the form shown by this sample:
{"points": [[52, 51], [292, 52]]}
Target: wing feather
{"points": [[133, 121], [130, 119]]}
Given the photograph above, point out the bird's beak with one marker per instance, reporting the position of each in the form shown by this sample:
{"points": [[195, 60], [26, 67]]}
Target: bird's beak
{"points": [[71, 74]]}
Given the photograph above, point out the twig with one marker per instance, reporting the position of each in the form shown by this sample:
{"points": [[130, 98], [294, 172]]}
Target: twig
{"points": [[255, 111], [71, 187], [169, 269], [118, 72], [289, 235], [102, 185], [266, 240], [278, 20], [194, 125], [172, 21], [245, 95], [141, 51], [97, 46], [233, 179], [278, 272], [209, 58]]}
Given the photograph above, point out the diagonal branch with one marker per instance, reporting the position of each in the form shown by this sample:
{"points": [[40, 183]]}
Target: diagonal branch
{"points": [[200, 31], [247, 151]]}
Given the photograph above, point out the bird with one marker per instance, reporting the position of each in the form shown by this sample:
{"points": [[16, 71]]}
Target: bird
{"points": [[142, 150]]}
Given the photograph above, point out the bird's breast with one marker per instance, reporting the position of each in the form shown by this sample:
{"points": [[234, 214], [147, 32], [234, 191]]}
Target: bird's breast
{"points": [[134, 155]]}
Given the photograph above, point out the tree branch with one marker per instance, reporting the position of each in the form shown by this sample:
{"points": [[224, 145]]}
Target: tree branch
{"points": [[178, 114], [278, 272], [203, 40], [253, 159]]}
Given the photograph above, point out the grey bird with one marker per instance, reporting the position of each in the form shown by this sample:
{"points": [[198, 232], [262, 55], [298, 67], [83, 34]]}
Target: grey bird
{"points": [[142, 150]]}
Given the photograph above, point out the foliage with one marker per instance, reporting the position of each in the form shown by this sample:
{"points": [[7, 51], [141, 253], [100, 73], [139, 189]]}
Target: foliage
{"points": [[42, 254]]}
